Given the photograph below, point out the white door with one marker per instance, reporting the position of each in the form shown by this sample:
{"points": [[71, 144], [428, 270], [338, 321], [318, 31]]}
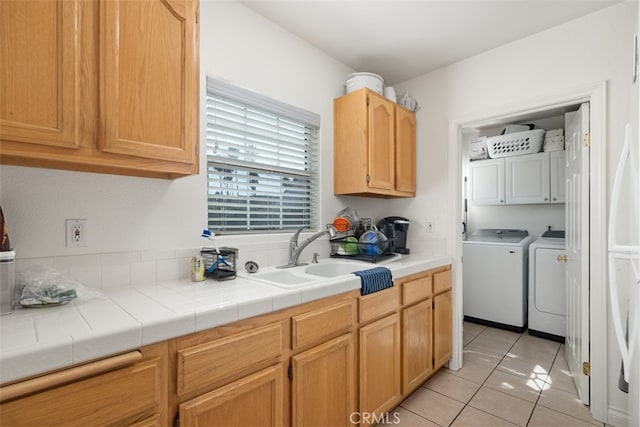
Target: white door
{"points": [[487, 182], [577, 241], [557, 164]]}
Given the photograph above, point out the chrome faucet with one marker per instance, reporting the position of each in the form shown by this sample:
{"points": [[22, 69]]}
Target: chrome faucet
{"points": [[296, 249]]}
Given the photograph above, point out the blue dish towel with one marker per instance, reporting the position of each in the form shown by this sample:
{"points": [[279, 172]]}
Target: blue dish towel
{"points": [[374, 280]]}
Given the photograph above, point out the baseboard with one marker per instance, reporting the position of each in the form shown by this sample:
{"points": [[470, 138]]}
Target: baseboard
{"points": [[618, 417], [545, 335], [495, 324]]}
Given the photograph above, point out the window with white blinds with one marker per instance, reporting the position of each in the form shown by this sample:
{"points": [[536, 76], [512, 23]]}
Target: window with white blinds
{"points": [[262, 162]]}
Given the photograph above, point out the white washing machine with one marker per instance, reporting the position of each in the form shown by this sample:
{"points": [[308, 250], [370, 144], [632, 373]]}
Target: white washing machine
{"points": [[547, 289], [494, 265]]}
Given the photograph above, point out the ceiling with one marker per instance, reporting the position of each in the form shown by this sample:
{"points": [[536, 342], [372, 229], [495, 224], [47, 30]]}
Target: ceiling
{"points": [[400, 39]]}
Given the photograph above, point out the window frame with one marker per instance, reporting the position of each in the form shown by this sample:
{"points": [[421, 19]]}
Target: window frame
{"points": [[287, 113]]}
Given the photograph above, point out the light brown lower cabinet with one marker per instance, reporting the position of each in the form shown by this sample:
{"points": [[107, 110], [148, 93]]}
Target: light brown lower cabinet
{"points": [[426, 326], [380, 365], [255, 400], [323, 384], [442, 327], [417, 345], [134, 394]]}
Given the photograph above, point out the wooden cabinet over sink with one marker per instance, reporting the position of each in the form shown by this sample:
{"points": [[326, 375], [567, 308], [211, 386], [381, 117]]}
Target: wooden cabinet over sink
{"points": [[374, 146], [102, 86]]}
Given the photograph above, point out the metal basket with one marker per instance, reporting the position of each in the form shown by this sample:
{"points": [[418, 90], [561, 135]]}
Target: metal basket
{"points": [[515, 144], [370, 252], [220, 266]]}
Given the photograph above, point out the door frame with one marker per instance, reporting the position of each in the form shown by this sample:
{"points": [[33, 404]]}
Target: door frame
{"points": [[596, 95]]}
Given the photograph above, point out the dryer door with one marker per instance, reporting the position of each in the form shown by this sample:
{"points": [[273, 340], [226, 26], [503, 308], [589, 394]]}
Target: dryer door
{"points": [[549, 293]]}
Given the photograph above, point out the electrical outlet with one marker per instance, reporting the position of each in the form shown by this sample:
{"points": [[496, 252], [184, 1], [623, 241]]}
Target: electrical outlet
{"points": [[76, 233], [429, 226]]}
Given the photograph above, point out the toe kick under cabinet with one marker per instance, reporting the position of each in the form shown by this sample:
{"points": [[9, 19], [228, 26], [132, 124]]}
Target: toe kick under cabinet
{"points": [[342, 360]]}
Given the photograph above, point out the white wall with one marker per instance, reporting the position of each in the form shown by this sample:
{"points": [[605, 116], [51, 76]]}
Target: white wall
{"points": [[127, 213], [533, 218], [595, 48], [591, 49]]}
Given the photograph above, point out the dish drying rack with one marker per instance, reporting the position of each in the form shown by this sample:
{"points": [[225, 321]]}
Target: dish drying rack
{"points": [[224, 261], [343, 247]]}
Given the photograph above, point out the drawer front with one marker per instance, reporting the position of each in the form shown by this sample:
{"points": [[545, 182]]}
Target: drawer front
{"points": [[209, 363], [323, 324], [376, 305], [254, 400], [417, 290], [441, 281], [121, 397]]}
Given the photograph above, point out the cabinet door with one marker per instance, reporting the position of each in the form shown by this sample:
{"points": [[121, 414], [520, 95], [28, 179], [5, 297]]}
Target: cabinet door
{"points": [[405, 150], [381, 143], [487, 182], [442, 329], [380, 365], [149, 84], [557, 176], [39, 67], [256, 400], [323, 388], [120, 397], [527, 179], [417, 350]]}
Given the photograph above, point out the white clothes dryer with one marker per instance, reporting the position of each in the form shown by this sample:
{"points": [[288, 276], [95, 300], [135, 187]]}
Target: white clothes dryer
{"points": [[547, 289], [494, 263]]}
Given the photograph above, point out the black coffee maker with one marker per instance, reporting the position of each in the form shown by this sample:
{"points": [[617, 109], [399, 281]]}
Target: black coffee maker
{"points": [[395, 228]]}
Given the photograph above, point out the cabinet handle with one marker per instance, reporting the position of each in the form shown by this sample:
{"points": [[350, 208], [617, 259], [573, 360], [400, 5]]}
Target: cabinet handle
{"points": [[546, 198], [68, 375], [554, 199], [501, 201], [562, 258]]}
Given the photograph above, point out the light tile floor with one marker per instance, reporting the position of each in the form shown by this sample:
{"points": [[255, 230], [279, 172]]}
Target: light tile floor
{"points": [[508, 379]]}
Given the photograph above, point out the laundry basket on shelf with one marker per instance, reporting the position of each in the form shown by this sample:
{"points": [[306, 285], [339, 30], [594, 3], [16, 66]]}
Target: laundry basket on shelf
{"points": [[515, 144]]}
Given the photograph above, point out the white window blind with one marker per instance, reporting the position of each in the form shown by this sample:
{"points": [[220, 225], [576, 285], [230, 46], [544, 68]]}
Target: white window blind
{"points": [[262, 162]]}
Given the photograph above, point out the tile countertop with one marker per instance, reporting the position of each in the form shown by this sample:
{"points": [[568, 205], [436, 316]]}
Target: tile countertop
{"points": [[38, 340]]}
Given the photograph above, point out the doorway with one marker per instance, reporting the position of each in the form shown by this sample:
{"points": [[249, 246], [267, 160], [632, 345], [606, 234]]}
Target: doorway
{"points": [[595, 230]]}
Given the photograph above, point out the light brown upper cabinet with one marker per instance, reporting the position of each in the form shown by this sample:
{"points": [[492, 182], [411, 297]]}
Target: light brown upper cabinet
{"points": [[39, 72], [374, 146], [107, 86]]}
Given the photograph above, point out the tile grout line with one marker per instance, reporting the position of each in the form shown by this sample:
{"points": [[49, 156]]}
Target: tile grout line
{"points": [[485, 380], [465, 404], [545, 383], [551, 409], [501, 359]]}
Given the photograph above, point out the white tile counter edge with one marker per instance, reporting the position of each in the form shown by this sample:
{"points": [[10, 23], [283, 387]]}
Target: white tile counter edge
{"points": [[35, 341]]}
